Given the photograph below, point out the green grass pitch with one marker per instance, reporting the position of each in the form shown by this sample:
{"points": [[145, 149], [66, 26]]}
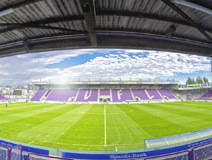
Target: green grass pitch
{"points": [[98, 126]]}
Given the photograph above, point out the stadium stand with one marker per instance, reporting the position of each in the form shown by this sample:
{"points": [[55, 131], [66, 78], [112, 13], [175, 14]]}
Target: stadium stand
{"points": [[167, 93], [207, 96], [92, 95], [153, 94], [2, 96], [61, 95], [104, 92], [120, 95], [140, 93], [38, 95], [87, 95]]}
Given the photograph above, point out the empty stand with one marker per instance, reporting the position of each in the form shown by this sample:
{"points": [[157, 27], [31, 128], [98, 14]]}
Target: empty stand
{"points": [[207, 96], [2, 96], [38, 95], [61, 95], [153, 94], [120, 95], [167, 93], [87, 95], [140, 93], [105, 92]]}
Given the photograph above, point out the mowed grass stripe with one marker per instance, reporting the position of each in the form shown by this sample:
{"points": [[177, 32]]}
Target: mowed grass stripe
{"points": [[15, 108], [12, 114], [87, 132], [122, 131], [14, 127], [183, 121], [188, 107], [154, 125], [202, 115], [53, 129], [83, 125], [42, 108]]}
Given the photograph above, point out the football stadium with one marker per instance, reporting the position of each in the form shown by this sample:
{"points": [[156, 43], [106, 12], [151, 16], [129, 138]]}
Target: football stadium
{"points": [[110, 112]]}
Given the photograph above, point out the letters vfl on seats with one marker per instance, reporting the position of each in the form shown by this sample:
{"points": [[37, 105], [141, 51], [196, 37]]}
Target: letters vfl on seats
{"points": [[87, 95], [121, 95]]}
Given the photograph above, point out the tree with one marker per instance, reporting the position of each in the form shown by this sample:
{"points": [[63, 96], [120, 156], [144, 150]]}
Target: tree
{"points": [[199, 80], [205, 80], [193, 81], [168, 79], [189, 81]]}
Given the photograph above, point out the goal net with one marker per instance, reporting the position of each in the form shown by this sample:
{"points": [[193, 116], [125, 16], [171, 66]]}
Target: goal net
{"points": [[203, 152], [4, 153], [16, 152]]}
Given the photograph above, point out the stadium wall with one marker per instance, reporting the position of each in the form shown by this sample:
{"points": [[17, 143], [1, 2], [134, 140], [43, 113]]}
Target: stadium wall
{"points": [[201, 150]]}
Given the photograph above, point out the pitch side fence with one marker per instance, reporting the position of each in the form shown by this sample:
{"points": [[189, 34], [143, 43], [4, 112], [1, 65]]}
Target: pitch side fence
{"points": [[201, 150]]}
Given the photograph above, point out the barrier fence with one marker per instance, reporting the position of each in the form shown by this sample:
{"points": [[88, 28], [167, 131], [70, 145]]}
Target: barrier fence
{"points": [[201, 150], [33, 156]]}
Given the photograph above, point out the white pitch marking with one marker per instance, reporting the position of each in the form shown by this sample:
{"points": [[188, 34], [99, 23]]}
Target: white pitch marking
{"points": [[30, 142], [105, 125]]}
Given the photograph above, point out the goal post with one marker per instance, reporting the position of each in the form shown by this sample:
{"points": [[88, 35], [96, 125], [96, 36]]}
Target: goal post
{"points": [[16, 152]]}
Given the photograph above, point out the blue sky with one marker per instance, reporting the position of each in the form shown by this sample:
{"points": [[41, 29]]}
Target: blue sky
{"points": [[102, 63]]}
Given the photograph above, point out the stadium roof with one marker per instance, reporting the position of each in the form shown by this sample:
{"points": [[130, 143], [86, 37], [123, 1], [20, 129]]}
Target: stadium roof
{"points": [[28, 26]]}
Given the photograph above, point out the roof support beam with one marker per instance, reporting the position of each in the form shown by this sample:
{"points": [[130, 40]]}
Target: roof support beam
{"points": [[146, 16], [15, 26], [89, 12], [179, 11], [19, 4], [139, 33]]}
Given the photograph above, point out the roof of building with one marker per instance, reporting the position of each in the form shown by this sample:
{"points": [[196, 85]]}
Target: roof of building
{"points": [[29, 26]]}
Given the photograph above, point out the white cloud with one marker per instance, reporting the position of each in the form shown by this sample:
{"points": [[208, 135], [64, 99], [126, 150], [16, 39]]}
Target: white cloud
{"points": [[32, 67]]}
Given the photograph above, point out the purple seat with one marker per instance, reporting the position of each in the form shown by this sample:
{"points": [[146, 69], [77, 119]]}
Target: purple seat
{"points": [[206, 96], [153, 92], [167, 93], [87, 95], [121, 95], [38, 95], [61, 95], [2, 96], [140, 93], [104, 92]]}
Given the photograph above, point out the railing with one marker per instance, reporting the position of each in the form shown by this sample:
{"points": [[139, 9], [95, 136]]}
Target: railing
{"points": [[167, 142]]}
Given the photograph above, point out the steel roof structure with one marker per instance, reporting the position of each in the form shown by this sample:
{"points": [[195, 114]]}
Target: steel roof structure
{"points": [[183, 26]]}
